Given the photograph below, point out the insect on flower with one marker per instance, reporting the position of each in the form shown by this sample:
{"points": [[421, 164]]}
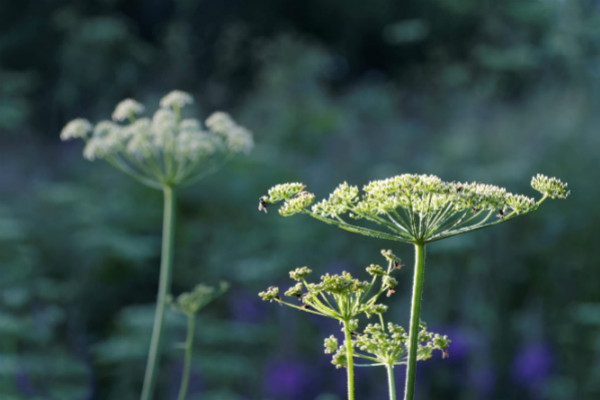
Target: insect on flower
{"points": [[263, 204]]}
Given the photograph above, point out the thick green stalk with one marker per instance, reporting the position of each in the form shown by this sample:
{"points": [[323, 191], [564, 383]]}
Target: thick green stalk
{"points": [[349, 361], [415, 312], [391, 384], [189, 340], [164, 284]]}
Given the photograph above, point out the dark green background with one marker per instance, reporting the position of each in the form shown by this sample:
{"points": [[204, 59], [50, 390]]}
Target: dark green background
{"points": [[333, 90]]}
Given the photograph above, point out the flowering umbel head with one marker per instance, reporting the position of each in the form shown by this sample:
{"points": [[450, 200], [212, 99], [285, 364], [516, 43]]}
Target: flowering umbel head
{"points": [[382, 344], [413, 208], [338, 296], [165, 150]]}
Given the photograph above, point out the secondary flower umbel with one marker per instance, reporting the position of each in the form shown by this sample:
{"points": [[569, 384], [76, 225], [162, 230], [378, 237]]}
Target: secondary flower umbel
{"points": [[386, 346], [340, 297], [165, 150], [413, 208]]}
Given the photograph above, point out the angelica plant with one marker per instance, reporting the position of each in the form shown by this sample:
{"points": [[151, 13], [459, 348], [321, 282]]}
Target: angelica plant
{"points": [[165, 152], [340, 297], [189, 303], [385, 345], [414, 209]]}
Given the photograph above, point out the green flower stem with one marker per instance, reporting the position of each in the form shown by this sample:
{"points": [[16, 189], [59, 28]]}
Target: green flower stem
{"points": [[391, 385], [415, 312], [166, 267], [189, 340], [349, 361]]}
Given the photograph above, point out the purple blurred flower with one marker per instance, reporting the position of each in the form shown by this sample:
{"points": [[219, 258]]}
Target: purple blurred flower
{"points": [[23, 383], [532, 365], [288, 380]]}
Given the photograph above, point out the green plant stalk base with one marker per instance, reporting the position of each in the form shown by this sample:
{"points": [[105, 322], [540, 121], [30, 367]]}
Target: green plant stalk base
{"points": [[349, 361], [391, 384], [415, 312], [164, 286], [189, 342]]}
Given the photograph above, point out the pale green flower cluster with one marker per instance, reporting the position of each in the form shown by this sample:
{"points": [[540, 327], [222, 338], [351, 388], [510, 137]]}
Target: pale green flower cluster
{"points": [[300, 273], [190, 303], [164, 150], [381, 345], [297, 203], [285, 191], [338, 296], [413, 208], [551, 187]]}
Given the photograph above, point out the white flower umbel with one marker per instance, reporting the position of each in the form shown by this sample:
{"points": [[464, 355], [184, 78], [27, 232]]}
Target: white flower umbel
{"points": [[415, 209], [164, 150]]}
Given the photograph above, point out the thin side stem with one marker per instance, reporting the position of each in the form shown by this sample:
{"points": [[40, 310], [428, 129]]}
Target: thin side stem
{"points": [[415, 312], [391, 384], [349, 361], [164, 284], [187, 361]]}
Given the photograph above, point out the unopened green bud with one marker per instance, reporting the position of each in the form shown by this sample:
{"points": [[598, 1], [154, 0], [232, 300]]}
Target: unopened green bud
{"points": [[353, 324], [331, 345], [389, 281], [271, 294], [339, 359], [294, 291], [375, 270], [300, 273], [391, 257]]}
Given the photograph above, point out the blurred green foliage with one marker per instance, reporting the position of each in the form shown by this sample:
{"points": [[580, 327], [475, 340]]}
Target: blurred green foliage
{"points": [[333, 91]]}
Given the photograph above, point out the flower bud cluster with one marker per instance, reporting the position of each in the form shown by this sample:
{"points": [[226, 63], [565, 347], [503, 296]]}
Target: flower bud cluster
{"points": [[297, 204], [551, 187], [343, 284], [271, 294], [165, 149], [190, 303], [284, 191], [300, 273], [338, 296], [375, 270], [339, 201], [387, 345]]}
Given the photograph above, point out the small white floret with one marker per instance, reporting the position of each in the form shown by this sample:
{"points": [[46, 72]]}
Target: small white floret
{"points": [[176, 99], [127, 109], [78, 128]]}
